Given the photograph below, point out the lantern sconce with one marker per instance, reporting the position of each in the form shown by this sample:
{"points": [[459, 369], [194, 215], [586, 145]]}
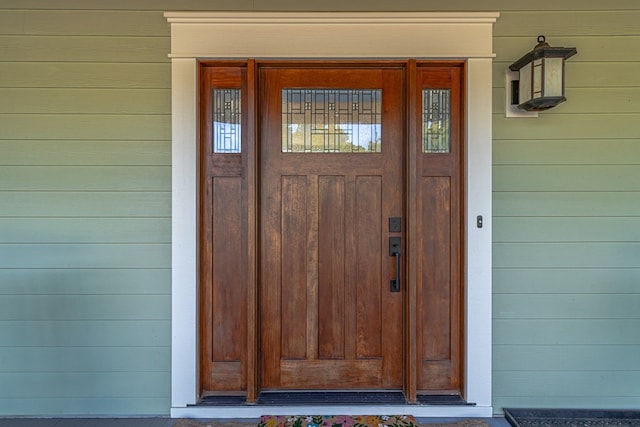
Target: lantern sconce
{"points": [[535, 82]]}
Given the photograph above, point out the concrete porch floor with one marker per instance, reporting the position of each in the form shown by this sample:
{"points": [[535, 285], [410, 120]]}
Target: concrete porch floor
{"points": [[167, 422]]}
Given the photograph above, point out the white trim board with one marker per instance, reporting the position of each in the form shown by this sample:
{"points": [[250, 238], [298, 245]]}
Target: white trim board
{"points": [[194, 36]]}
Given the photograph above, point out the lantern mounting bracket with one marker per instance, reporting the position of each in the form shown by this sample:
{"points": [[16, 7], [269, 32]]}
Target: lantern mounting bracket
{"points": [[511, 99]]}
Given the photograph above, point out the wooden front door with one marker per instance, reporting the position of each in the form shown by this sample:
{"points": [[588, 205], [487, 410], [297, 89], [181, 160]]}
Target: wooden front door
{"points": [[312, 177], [331, 163]]}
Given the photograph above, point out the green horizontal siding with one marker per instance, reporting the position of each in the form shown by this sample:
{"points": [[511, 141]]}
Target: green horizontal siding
{"points": [[567, 255], [571, 383], [327, 5], [94, 281], [82, 22], [33, 335], [65, 384], [86, 230], [568, 23], [84, 49], [565, 332], [86, 126], [85, 152], [145, 5], [82, 406], [565, 152], [85, 101], [567, 177], [601, 389], [92, 255], [590, 48], [567, 358], [85, 75], [564, 280], [566, 229], [84, 307], [566, 306], [85, 179], [76, 204], [568, 126], [566, 202], [84, 359]]}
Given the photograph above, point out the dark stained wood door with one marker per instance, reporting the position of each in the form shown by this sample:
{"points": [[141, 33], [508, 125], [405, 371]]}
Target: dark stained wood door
{"points": [[295, 270], [328, 319]]}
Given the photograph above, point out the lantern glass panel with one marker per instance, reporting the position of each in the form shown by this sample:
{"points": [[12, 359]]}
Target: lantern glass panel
{"points": [[537, 78], [553, 77], [525, 83]]}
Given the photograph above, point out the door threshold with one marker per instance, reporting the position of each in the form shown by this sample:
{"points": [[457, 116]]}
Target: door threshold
{"points": [[254, 412], [331, 398]]}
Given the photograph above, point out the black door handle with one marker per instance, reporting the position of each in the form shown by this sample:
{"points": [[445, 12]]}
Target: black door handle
{"points": [[394, 250]]}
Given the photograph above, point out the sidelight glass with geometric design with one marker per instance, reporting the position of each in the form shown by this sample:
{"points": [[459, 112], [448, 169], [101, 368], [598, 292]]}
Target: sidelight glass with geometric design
{"points": [[331, 120], [436, 121], [226, 120]]}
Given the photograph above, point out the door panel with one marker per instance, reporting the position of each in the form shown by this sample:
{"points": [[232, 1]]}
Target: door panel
{"points": [[439, 232], [328, 319], [223, 232]]}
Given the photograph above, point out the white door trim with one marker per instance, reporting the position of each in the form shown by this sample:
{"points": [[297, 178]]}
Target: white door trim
{"points": [[467, 36]]}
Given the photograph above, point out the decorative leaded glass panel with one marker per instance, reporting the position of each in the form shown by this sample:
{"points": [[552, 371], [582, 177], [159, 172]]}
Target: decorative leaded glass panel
{"points": [[436, 119], [226, 120], [331, 120]]}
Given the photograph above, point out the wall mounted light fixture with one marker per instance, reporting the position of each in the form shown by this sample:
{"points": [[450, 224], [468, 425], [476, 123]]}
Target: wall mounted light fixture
{"points": [[536, 81]]}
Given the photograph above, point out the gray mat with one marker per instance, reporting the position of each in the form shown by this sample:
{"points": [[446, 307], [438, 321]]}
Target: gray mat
{"points": [[571, 418]]}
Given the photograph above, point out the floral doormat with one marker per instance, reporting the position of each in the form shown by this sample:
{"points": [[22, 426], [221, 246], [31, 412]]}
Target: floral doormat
{"points": [[330, 421], [338, 421]]}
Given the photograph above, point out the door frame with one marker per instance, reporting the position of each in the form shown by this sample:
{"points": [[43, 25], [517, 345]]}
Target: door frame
{"points": [[465, 36]]}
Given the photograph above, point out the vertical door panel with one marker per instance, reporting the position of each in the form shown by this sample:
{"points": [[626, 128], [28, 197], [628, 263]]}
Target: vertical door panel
{"points": [[227, 250], [436, 268], [294, 267], [370, 278], [331, 267]]}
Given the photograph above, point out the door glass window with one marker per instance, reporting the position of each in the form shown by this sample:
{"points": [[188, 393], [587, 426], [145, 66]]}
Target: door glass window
{"points": [[226, 114], [331, 120], [436, 118]]}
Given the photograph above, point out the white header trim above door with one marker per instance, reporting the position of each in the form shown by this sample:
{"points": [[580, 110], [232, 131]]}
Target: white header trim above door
{"points": [[194, 36], [331, 35]]}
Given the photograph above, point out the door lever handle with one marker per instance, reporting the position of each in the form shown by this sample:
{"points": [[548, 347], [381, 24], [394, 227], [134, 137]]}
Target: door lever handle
{"points": [[394, 250]]}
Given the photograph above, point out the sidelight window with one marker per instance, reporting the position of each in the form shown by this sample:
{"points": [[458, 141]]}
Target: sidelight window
{"points": [[226, 120], [436, 121]]}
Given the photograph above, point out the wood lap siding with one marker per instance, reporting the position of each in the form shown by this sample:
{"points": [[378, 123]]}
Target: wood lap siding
{"points": [[566, 215], [85, 158], [85, 180]]}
